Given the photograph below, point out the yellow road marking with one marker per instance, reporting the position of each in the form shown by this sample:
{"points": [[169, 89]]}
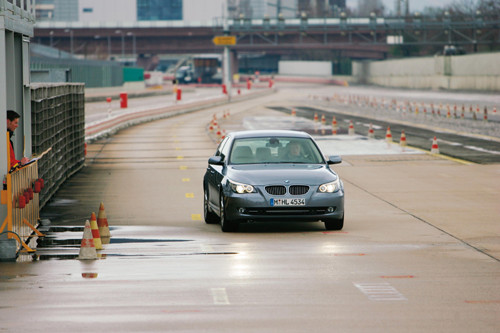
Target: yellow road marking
{"points": [[196, 217], [189, 195], [186, 179], [183, 167]]}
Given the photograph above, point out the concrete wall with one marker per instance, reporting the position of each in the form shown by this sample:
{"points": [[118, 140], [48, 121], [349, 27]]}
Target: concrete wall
{"points": [[465, 72], [310, 68]]}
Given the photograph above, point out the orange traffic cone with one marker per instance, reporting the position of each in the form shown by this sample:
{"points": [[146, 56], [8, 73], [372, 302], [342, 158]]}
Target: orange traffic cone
{"points": [[294, 113], [102, 223], [334, 126], [351, 128], [87, 248], [402, 141], [323, 120], [95, 232], [315, 117], [434, 148], [371, 132], [89, 275], [388, 134]]}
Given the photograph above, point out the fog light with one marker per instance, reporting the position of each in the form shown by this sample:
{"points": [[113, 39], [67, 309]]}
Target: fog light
{"points": [[242, 210], [331, 209]]}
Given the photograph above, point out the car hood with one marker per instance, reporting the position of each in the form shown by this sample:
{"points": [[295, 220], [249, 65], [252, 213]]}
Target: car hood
{"points": [[264, 174]]}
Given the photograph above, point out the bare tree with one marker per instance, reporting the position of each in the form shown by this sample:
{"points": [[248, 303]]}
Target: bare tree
{"points": [[366, 7], [488, 8]]}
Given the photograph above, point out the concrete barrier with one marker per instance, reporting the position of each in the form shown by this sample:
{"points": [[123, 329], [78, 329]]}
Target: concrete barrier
{"points": [[466, 72]]}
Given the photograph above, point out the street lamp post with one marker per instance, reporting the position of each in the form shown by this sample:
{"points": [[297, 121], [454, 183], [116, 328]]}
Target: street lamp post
{"points": [[97, 37], [109, 47], [133, 46], [70, 40], [123, 42], [226, 58]]}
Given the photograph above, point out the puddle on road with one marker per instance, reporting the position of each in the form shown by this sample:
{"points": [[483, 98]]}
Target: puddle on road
{"points": [[48, 242], [62, 202], [101, 256], [63, 243]]}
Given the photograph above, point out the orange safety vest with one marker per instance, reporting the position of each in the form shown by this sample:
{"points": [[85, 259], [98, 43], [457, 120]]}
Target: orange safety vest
{"points": [[13, 160]]}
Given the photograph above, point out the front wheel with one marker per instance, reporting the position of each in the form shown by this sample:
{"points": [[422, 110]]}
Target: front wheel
{"points": [[225, 224], [334, 224]]}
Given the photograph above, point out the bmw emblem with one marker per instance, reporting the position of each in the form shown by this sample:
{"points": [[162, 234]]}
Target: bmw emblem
{"points": [[287, 181]]}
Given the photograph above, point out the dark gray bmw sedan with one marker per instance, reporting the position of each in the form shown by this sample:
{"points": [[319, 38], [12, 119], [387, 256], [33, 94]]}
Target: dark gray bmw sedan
{"points": [[272, 175]]}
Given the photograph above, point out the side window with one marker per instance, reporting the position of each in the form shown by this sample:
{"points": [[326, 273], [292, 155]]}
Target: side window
{"points": [[220, 149]]}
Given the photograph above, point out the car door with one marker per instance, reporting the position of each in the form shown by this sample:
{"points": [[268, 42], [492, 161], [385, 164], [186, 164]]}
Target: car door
{"points": [[214, 175]]}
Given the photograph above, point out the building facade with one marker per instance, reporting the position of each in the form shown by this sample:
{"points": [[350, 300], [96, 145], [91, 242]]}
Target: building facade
{"points": [[181, 10], [129, 10]]}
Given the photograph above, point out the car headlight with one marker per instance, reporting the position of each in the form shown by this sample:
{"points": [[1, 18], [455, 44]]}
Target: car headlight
{"points": [[330, 187], [241, 188]]}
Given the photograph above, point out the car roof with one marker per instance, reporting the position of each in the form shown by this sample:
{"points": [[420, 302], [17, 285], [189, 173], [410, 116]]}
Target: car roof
{"points": [[268, 133]]}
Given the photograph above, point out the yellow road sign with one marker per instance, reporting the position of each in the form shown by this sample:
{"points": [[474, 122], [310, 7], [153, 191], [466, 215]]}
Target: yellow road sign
{"points": [[224, 40]]}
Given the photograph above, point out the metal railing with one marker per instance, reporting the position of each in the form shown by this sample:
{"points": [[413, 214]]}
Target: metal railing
{"points": [[20, 193]]}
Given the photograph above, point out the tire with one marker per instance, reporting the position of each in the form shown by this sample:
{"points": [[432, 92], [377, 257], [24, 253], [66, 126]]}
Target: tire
{"points": [[225, 224], [334, 224], [210, 217]]}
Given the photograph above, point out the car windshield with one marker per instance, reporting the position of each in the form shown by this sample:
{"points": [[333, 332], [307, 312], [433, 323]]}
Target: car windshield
{"points": [[274, 150]]}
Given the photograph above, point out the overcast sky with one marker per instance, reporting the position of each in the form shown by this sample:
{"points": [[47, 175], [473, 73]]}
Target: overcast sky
{"points": [[414, 4]]}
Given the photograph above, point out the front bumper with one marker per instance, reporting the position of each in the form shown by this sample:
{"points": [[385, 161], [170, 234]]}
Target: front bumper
{"points": [[250, 207]]}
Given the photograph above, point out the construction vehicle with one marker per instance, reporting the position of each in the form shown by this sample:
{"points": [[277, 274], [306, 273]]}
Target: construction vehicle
{"points": [[200, 69]]}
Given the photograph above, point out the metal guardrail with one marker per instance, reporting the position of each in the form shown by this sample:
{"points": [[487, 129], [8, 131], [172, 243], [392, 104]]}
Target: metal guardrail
{"points": [[58, 122]]}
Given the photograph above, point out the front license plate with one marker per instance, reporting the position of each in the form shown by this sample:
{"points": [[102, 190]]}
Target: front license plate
{"points": [[288, 202]]}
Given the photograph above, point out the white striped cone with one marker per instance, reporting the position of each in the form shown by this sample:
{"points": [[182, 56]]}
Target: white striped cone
{"points": [[388, 135], [371, 132], [402, 141], [87, 248], [351, 128], [435, 147]]}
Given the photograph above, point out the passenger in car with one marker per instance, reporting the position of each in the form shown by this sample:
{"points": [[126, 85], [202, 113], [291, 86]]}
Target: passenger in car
{"points": [[294, 152]]}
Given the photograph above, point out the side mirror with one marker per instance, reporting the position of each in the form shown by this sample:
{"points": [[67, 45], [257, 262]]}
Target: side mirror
{"points": [[216, 160], [335, 159]]}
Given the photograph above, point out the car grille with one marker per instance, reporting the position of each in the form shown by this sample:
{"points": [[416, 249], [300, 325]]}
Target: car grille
{"points": [[298, 189], [281, 190], [276, 190]]}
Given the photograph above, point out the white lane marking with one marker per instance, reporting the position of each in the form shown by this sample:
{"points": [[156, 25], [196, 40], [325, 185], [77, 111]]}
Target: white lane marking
{"points": [[375, 127], [483, 150], [380, 291], [219, 296], [450, 143]]}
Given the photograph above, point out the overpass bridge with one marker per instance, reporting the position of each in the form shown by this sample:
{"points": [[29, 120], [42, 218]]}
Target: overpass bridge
{"points": [[356, 38]]}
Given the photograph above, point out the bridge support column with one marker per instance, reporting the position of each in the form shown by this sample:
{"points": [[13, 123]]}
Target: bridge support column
{"points": [[234, 62]]}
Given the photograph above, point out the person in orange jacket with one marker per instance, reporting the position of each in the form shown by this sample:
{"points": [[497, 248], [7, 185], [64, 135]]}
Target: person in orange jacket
{"points": [[12, 124]]}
